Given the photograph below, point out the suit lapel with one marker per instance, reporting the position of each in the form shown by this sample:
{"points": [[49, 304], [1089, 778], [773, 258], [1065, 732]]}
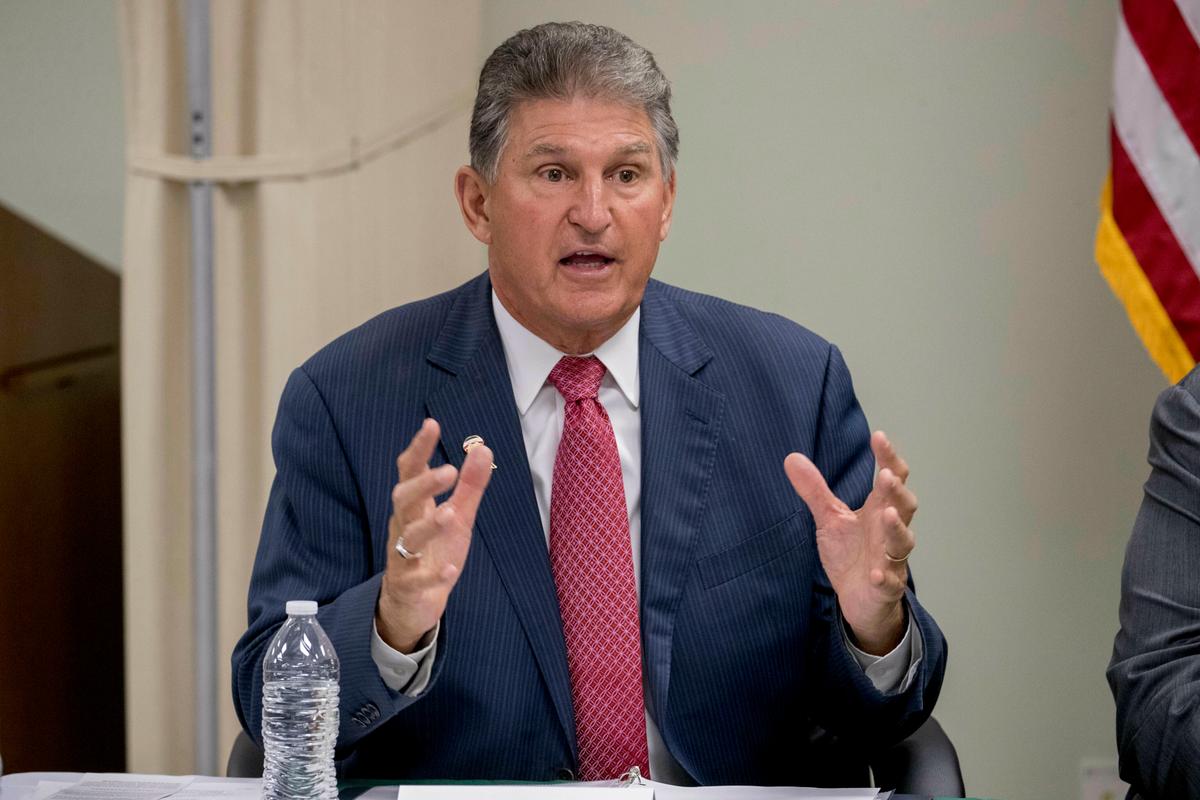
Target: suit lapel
{"points": [[477, 399], [681, 424]]}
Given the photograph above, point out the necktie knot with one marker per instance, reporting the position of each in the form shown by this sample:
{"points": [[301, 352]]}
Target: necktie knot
{"points": [[577, 378]]}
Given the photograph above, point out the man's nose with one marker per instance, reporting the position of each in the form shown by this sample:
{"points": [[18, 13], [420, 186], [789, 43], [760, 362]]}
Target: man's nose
{"points": [[590, 209]]}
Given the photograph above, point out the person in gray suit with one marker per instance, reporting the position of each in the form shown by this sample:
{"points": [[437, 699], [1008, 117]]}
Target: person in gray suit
{"points": [[1155, 669]]}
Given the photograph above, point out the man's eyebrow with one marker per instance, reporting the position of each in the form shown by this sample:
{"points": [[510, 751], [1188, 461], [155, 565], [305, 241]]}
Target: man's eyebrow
{"points": [[548, 149], [637, 148], [545, 149]]}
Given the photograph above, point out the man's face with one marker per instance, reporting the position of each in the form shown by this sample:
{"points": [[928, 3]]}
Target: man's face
{"points": [[574, 218]]}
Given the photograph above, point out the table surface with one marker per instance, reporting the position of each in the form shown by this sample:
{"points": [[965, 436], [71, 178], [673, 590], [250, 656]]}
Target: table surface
{"points": [[20, 786]]}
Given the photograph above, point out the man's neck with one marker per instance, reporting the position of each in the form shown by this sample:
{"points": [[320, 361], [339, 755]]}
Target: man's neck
{"points": [[530, 357], [572, 343]]}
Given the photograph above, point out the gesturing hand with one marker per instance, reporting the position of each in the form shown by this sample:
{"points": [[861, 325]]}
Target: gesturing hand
{"points": [[415, 589], [864, 552]]}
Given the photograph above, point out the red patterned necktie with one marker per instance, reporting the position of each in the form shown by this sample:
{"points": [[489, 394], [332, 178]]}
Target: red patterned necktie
{"points": [[592, 560]]}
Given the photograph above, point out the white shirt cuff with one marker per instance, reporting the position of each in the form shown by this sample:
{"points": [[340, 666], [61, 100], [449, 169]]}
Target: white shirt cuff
{"points": [[407, 674], [894, 672]]}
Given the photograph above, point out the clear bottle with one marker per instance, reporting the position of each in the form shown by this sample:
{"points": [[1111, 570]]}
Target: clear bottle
{"points": [[300, 709]]}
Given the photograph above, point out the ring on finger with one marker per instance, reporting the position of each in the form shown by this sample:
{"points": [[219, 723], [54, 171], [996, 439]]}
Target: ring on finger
{"points": [[894, 559], [404, 552]]}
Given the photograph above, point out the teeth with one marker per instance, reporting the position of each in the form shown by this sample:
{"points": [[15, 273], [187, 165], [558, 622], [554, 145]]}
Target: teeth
{"points": [[586, 256]]}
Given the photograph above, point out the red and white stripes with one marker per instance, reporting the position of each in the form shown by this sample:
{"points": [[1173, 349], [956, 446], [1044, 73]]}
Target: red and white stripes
{"points": [[1148, 242]]}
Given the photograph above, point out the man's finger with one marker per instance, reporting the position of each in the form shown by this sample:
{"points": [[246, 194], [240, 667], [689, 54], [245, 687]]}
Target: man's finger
{"points": [[410, 495], [415, 458], [889, 490], [886, 456], [472, 480], [457, 514], [429, 527], [898, 540], [811, 486], [905, 502]]}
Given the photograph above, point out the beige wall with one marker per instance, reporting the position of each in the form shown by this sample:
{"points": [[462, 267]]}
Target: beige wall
{"points": [[377, 94], [61, 132], [917, 182]]}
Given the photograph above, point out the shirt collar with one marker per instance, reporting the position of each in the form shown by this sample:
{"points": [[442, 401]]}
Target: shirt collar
{"points": [[530, 359]]}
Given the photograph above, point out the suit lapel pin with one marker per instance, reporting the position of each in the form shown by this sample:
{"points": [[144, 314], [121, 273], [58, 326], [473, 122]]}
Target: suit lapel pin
{"points": [[474, 440]]}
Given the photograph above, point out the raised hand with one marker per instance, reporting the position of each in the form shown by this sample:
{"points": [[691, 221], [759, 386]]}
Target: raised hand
{"points": [[434, 538], [864, 552]]}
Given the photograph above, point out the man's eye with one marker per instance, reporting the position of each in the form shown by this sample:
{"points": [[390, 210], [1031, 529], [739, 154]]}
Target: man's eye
{"points": [[554, 175], [626, 176]]}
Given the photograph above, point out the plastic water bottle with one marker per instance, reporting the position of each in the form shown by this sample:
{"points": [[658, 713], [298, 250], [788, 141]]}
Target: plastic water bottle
{"points": [[300, 709]]}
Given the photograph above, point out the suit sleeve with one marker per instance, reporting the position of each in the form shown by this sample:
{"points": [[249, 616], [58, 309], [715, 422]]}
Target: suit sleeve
{"points": [[846, 701], [315, 545], [1155, 669]]}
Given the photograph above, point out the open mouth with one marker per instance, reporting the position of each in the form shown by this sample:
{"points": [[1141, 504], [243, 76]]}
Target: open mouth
{"points": [[587, 259]]}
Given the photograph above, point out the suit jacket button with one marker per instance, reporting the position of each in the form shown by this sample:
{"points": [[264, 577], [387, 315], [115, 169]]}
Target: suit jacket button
{"points": [[371, 712], [564, 774]]}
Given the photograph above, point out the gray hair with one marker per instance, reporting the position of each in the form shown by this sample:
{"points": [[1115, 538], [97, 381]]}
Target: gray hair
{"points": [[561, 60]]}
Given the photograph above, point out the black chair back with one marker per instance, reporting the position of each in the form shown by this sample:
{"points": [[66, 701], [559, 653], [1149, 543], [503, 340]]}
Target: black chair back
{"points": [[245, 759], [925, 763]]}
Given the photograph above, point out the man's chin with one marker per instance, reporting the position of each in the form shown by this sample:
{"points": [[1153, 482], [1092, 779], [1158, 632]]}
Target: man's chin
{"points": [[596, 327]]}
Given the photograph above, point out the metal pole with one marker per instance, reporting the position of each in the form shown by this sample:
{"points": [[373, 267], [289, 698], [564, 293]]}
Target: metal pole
{"points": [[204, 487]]}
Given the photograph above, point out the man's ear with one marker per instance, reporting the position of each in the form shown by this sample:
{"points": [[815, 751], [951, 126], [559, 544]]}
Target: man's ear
{"points": [[472, 192], [668, 208]]}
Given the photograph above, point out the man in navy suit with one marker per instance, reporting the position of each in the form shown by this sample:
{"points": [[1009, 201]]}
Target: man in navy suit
{"points": [[665, 545], [1156, 655]]}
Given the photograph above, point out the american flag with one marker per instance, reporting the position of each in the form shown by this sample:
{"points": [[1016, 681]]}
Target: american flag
{"points": [[1148, 241]]}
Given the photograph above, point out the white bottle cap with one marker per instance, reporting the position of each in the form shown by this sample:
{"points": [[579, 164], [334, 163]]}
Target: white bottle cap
{"points": [[301, 608]]}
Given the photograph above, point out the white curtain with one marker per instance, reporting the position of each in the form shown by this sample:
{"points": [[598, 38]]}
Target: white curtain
{"points": [[337, 128]]}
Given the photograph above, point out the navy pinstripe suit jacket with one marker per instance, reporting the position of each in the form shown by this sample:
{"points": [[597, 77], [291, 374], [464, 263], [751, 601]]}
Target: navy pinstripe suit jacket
{"points": [[739, 625]]}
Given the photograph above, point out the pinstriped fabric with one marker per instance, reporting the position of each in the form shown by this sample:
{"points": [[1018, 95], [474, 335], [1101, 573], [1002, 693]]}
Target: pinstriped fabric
{"points": [[324, 537], [741, 652], [1155, 668], [725, 523]]}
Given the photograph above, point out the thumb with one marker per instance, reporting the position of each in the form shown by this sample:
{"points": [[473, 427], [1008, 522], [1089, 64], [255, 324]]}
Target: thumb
{"points": [[473, 478], [811, 486]]}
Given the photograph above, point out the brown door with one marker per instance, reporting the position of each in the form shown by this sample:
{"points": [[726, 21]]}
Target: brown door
{"points": [[61, 633]]}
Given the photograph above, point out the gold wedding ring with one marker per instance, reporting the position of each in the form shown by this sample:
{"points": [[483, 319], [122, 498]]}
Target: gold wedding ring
{"points": [[895, 560]]}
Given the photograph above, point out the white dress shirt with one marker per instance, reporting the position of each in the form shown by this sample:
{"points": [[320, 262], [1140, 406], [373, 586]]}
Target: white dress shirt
{"points": [[541, 409]]}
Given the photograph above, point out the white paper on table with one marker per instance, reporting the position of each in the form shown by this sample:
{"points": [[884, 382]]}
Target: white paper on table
{"points": [[523, 791], [204, 788], [649, 790], [191, 787], [115, 786], [667, 791], [44, 789]]}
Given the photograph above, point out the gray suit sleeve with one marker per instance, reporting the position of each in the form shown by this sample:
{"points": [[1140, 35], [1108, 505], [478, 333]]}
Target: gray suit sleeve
{"points": [[1155, 669]]}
